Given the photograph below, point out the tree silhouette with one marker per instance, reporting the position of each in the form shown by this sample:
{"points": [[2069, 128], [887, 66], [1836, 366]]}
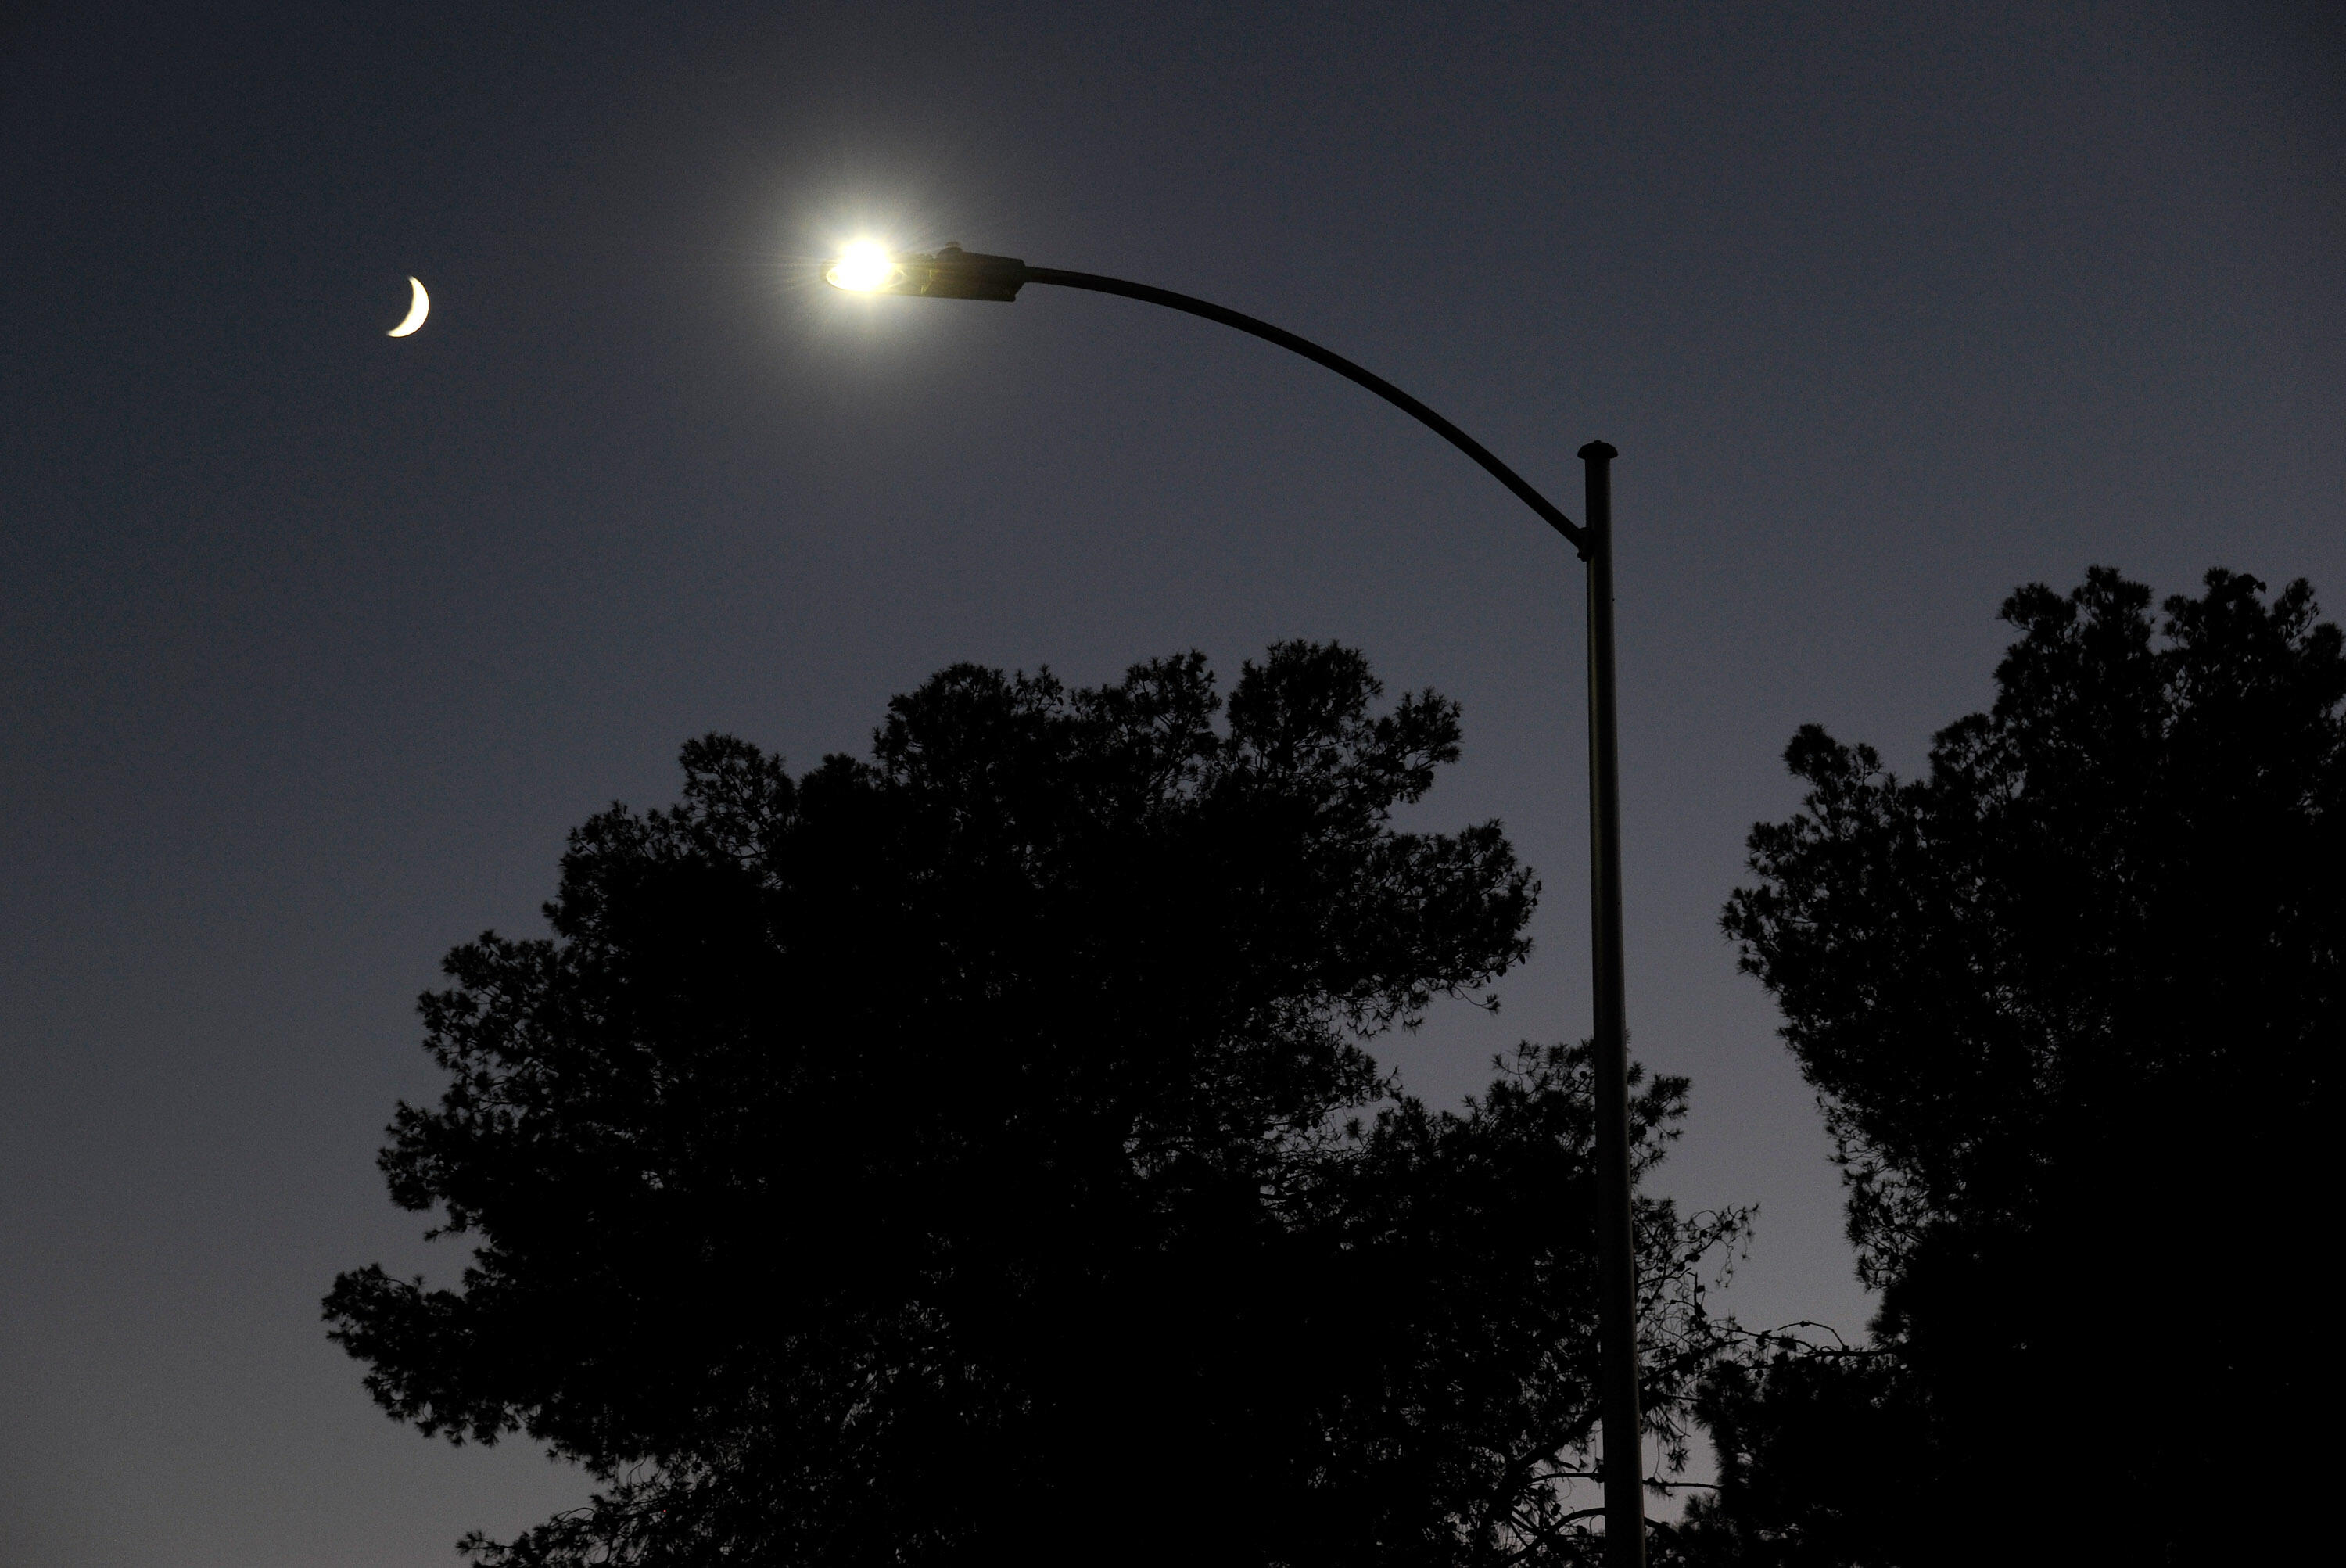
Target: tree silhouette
{"points": [[2072, 1003], [970, 1153]]}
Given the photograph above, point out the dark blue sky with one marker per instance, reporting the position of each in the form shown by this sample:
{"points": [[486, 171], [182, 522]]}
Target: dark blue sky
{"points": [[315, 642]]}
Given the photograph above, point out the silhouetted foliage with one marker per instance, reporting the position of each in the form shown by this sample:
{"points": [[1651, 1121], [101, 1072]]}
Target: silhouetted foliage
{"points": [[970, 1153], [2072, 1003]]}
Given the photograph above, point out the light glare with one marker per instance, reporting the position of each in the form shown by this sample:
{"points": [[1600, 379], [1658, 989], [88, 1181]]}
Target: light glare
{"points": [[863, 267]]}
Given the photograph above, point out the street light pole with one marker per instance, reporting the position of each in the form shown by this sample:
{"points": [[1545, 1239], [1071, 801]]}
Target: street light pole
{"points": [[952, 273], [1617, 1254]]}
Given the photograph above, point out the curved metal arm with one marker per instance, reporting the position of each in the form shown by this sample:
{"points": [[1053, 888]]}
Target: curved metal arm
{"points": [[1384, 389]]}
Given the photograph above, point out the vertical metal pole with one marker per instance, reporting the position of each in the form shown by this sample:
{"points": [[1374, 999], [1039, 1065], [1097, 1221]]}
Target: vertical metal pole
{"points": [[1617, 1267]]}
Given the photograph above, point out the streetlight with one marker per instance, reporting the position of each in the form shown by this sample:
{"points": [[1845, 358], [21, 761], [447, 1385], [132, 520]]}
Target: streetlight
{"points": [[952, 273]]}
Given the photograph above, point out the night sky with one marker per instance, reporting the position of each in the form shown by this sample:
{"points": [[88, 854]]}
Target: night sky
{"points": [[316, 642]]}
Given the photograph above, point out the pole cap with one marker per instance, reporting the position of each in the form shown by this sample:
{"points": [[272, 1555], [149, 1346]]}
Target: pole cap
{"points": [[1599, 452]]}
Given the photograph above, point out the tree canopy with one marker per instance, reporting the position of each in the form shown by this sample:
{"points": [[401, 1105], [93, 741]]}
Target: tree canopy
{"points": [[972, 1150], [2072, 1001]]}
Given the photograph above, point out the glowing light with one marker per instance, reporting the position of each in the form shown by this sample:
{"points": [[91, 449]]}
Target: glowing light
{"points": [[419, 305], [863, 267]]}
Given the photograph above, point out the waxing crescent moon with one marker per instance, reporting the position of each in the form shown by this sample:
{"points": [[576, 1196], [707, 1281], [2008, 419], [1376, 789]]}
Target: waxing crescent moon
{"points": [[417, 308]]}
